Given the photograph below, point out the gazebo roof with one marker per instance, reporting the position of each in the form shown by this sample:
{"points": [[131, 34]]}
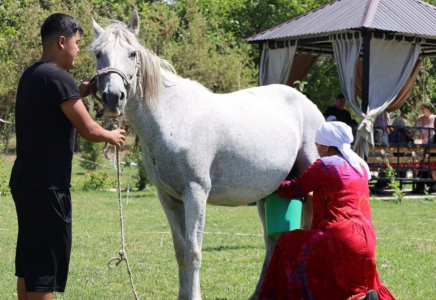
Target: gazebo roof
{"points": [[405, 17]]}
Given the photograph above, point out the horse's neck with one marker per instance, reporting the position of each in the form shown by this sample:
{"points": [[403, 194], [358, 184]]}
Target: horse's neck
{"points": [[152, 122], [144, 119]]}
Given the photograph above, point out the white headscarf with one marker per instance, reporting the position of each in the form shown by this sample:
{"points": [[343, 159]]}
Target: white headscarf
{"points": [[339, 135]]}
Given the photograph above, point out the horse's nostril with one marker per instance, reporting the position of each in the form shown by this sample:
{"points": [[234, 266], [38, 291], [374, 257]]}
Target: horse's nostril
{"points": [[103, 98], [122, 96]]}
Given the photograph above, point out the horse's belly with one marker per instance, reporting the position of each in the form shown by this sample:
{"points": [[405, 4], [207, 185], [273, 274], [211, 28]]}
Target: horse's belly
{"points": [[235, 196], [237, 182]]}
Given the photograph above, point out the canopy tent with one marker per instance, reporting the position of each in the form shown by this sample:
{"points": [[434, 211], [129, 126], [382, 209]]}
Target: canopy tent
{"points": [[378, 46]]}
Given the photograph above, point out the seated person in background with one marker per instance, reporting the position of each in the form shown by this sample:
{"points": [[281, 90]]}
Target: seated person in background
{"points": [[338, 110], [381, 131], [398, 134], [427, 120], [432, 187]]}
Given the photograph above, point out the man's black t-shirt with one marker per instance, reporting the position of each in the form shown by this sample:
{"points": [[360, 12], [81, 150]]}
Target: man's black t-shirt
{"points": [[341, 115], [45, 136]]}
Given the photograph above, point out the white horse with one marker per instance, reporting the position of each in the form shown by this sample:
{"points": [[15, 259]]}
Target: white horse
{"points": [[198, 147]]}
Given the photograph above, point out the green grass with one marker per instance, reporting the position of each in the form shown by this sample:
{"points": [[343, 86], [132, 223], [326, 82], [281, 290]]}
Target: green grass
{"points": [[232, 249], [231, 263]]}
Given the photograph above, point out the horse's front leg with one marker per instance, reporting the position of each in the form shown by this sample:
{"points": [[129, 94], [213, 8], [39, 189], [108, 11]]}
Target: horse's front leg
{"points": [[175, 212], [194, 199], [269, 247]]}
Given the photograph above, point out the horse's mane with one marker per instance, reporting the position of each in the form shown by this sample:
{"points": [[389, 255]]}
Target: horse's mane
{"points": [[151, 64]]}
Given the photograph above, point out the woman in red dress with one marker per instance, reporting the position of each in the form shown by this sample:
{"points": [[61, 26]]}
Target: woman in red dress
{"points": [[335, 259]]}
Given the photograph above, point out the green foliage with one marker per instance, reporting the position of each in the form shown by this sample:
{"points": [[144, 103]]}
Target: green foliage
{"points": [[4, 184], [6, 131], [323, 83], [142, 180], [300, 85], [92, 181], [394, 184], [134, 158], [181, 34], [429, 197], [423, 91], [232, 249], [4, 176], [201, 38], [91, 154]]}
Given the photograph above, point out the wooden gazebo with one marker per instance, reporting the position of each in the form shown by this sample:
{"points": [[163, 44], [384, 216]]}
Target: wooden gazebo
{"points": [[378, 46]]}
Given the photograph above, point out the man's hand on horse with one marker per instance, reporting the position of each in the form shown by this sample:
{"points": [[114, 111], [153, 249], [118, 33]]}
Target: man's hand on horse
{"points": [[87, 87]]}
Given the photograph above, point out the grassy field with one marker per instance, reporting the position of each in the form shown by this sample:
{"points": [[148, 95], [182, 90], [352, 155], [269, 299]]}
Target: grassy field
{"points": [[232, 250]]}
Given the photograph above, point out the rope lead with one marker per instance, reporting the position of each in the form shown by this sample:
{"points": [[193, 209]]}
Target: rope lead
{"points": [[122, 253]]}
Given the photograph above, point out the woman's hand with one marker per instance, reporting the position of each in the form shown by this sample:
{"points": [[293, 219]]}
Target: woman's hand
{"points": [[283, 188]]}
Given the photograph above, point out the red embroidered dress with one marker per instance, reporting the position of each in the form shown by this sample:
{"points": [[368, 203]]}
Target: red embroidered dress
{"points": [[335, 259]]}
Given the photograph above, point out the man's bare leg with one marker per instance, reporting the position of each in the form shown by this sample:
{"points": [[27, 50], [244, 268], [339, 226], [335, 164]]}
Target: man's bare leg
{"points": [[21, 289], [23, 295], [39, 296]]}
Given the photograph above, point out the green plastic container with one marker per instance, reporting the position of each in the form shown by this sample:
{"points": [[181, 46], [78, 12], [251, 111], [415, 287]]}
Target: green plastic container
{"points": [[282, 215]]}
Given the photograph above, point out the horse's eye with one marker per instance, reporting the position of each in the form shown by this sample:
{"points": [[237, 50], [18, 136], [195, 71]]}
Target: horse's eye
{"points": [[132, 54], [98, 54]]}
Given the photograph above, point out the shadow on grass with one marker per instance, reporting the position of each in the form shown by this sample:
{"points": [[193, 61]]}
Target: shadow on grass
{"points": [[220, 248], [139, 194]]}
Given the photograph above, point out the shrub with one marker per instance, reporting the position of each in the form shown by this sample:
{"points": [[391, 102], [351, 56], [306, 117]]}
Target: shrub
{"points": [[4, 184], [141, 179], [91, 154], [92, 181], [394, 184]]}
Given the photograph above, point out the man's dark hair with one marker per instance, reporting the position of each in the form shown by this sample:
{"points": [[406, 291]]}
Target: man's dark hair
{"points": [[340, 96], [60, 24]]}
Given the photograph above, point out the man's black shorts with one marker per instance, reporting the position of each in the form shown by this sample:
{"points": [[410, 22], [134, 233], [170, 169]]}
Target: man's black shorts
{"points": [[44, 238]]}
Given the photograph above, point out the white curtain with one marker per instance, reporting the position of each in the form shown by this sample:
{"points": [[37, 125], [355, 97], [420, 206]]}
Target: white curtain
{"points": [[275, 64], [391, 63], [347, 55]]}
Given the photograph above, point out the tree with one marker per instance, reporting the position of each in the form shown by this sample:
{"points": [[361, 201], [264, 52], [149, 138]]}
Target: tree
{"points": [[201, 38]]}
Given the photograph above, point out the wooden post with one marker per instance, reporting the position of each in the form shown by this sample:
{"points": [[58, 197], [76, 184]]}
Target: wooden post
{"points": [[365, 71], [260, 60]]}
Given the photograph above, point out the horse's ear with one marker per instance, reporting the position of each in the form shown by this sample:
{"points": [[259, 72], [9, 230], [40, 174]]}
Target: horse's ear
{"points": [[134, 23], [97, 28]]}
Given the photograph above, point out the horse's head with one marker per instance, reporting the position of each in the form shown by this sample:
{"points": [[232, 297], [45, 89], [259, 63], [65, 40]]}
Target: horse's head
{"points": [[118, 64]]}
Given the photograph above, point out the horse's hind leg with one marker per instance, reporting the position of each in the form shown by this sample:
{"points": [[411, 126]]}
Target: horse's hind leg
{"points": [[269, 247], [175, 212], [305, 158]]}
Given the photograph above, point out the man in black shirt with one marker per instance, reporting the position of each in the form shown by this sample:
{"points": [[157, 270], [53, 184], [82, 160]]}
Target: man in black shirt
{"points": [[338, 110], [48, 111]]}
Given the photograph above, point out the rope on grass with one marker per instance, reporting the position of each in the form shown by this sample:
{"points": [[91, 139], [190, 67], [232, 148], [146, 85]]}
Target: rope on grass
{"points": [[115, 261]]}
